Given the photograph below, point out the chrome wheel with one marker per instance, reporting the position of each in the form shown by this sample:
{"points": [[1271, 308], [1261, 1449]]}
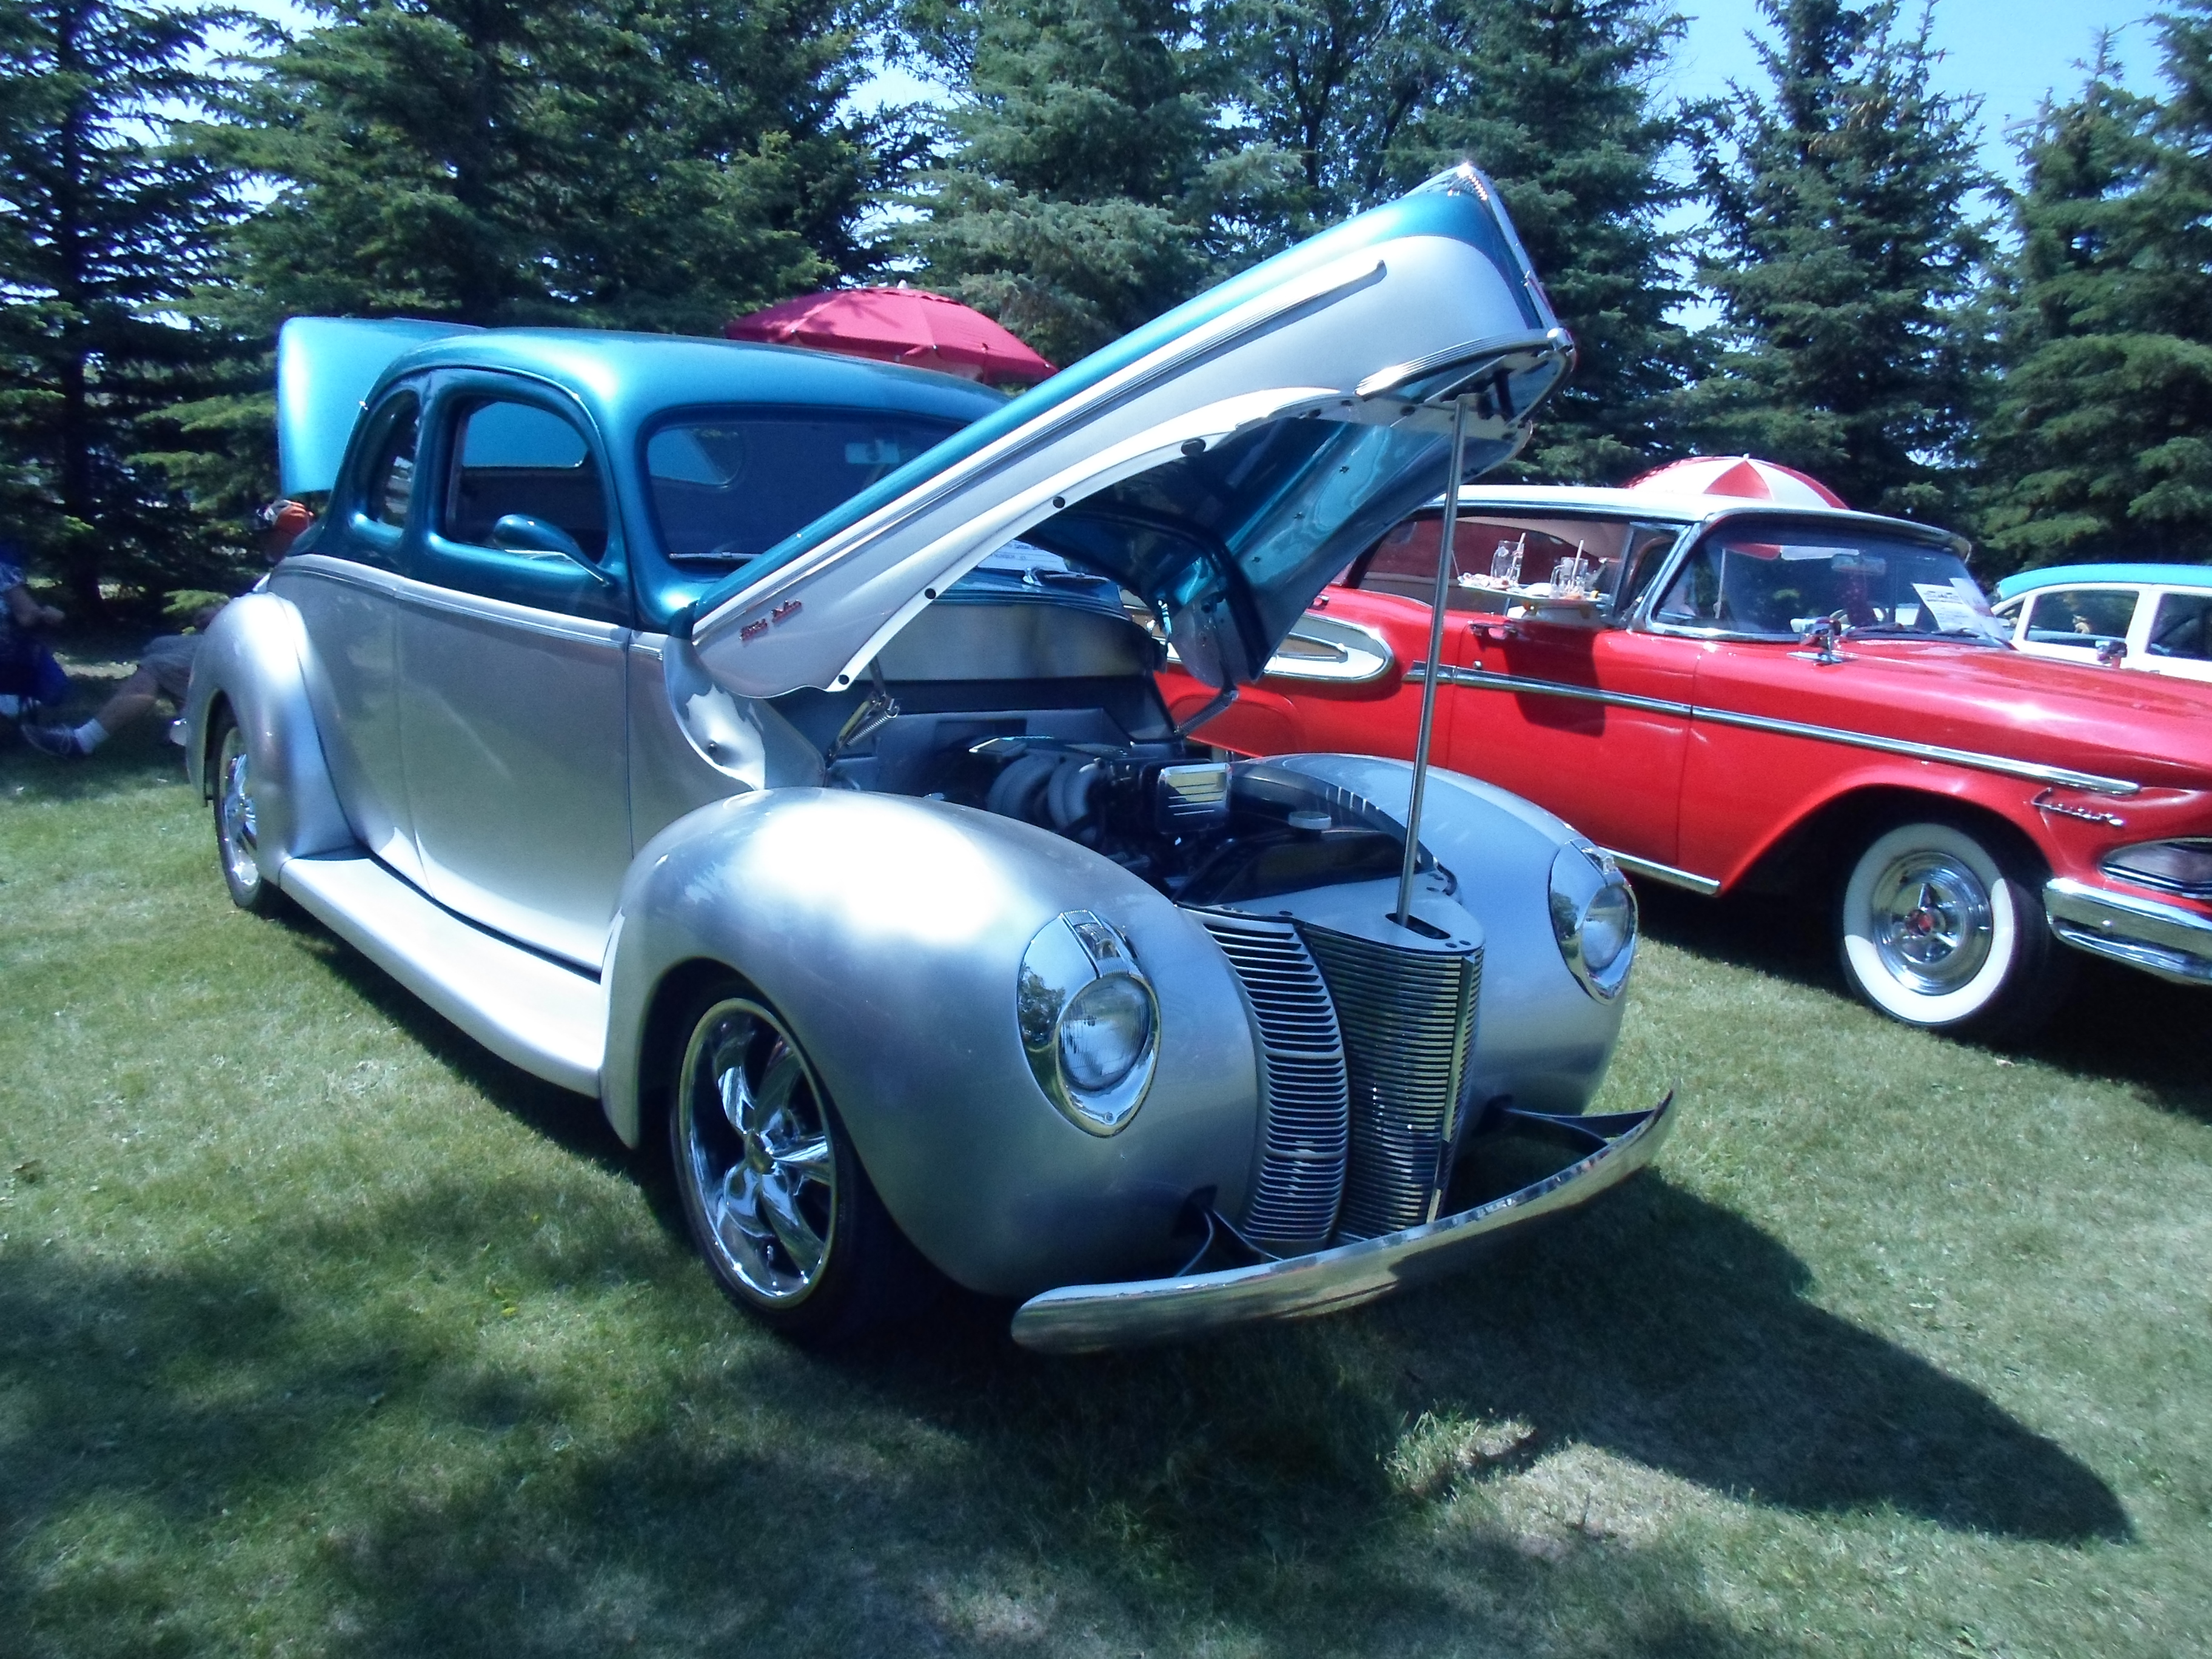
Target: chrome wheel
{"points": [[237, 825], [233, 813], [1937, 931], [1932, 922], [755, 1156]]}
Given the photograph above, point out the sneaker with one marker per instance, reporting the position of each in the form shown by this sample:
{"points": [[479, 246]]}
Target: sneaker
{"points": [[56, 741]]}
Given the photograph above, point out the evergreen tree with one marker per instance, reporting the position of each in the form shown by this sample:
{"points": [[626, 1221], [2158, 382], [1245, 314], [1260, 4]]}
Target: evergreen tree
{"points": [[2101, 443], [1085, 186], [1330, 85], [1553, 99], [662, 163], [1845, 254], [105, 231]]}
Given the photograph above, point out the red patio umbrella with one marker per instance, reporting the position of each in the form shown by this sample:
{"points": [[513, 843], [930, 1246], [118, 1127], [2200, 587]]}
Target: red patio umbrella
{"points": [[1744, 475], [909, 326]]}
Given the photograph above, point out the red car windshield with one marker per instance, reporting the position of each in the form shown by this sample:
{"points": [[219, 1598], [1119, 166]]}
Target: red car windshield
{"points": [[1774, 578]]}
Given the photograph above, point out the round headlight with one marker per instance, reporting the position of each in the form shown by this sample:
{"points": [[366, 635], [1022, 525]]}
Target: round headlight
{"points": [[1103, 1032], [1088, 1020], [1608, 927], [1594, 918]]}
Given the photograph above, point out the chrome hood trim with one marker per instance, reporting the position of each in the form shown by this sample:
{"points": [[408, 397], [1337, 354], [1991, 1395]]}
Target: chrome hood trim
{"points": [[1224, 463], [1087, 1318]]}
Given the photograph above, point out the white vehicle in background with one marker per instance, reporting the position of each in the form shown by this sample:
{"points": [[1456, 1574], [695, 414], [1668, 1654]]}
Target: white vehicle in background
{"points": [[2157, 616]]}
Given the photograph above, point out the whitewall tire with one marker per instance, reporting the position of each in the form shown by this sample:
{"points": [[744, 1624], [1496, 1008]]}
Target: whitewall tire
{"points": [[1938, 929]]}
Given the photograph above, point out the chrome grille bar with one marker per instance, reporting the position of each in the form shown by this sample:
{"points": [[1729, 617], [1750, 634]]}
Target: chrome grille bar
{"points": [[1407, 1021], [1303, 1100]]}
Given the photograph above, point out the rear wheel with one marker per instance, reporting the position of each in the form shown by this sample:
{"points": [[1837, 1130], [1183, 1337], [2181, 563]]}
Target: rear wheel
{"points": [[1942, 926], [237, 838], [776, 1201]]}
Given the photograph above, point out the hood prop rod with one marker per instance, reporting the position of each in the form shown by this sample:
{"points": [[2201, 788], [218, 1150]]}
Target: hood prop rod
{"points": [[1403, 915]]}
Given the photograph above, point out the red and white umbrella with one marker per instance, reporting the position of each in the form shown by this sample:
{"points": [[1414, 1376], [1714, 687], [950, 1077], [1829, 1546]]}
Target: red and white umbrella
{"points": [[909, 326], [1742, 475]]}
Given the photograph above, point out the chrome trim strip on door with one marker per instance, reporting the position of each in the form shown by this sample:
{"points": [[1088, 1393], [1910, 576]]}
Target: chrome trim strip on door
{"points": [[458, 602], [1358, 654], [1483, 680], [1703, 886]]}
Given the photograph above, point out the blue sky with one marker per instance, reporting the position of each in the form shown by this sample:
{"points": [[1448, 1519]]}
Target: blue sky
{"points": [[2007, 52]]}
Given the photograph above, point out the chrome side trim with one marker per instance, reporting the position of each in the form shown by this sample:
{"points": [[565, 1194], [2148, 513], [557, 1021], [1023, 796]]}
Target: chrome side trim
{"points": [[2035, 771], [549, 1020], [2147, 933], [1084, 1318], [1704, 886], [1341, 652], [456, 601], [1385, 382]]}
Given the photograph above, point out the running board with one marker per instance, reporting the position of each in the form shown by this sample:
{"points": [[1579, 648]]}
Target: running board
{"points": [[549, 1020]]}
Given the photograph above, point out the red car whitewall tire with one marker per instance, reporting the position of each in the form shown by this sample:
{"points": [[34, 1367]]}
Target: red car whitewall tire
{"points": [[1936, 929]]}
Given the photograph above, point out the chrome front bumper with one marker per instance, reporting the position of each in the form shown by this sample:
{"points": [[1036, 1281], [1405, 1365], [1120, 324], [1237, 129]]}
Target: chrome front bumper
{"points": [[2143, 933], [1084, 1318]]}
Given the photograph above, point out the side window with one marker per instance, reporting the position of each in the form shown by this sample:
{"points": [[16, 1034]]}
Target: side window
{"points": [[2183, 627], [1695, 598], [517, 458], [387, 481], [2084, 618]]}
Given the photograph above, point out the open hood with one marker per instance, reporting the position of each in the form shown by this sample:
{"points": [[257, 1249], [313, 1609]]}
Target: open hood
{"points": [[1224, 463], [326, 366]]}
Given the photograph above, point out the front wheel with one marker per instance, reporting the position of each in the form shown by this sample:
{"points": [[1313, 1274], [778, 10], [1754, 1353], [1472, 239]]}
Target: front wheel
{"points": [[777, 1202], [1940, 929], [237, 840]]}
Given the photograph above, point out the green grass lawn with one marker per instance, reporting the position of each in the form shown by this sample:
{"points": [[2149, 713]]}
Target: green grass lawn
{"points": [[321, 1331]]}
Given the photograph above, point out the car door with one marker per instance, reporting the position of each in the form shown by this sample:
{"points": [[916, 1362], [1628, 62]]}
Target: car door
{"points": [[513, 719], [2072, 624], [2178, 640], [344, 589], [1566, 705]]}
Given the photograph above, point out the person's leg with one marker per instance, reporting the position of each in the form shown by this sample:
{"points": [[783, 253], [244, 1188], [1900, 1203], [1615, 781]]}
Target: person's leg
{"points": [[132, 699], [166, 671]]}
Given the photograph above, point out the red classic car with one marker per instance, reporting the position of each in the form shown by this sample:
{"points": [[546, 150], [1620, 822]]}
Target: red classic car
{"points": [[1744, 694]]}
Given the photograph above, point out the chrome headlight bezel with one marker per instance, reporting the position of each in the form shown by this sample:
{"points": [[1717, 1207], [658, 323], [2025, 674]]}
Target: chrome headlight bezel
{"points": [[1069, 953], [2140, 864], [1585, 881]]}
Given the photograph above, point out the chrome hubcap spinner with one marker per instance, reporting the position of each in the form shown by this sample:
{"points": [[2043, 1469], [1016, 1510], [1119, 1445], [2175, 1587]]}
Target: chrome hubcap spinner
{"points": [[1933, 922], [756, 1138]]}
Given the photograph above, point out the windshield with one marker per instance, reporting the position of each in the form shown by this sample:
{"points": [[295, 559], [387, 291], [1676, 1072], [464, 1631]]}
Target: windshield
{"points": [[728, 483], [1773, 578]]}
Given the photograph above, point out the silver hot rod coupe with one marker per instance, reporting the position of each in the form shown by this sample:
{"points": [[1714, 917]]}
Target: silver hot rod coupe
{"points": [[766, 744]]}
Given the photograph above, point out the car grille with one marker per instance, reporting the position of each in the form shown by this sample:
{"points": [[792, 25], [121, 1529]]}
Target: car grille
{"points": [[1408, 1023], [1364, 1052], [1303, 1105]]}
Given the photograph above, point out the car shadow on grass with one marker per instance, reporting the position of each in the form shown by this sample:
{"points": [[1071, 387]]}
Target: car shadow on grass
{"points": [[237, 1438], [2115, 1022], [1657, 1325], [1668, 1330]]}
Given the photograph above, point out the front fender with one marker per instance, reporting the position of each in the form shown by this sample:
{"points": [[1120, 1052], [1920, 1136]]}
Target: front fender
{"points": [[1540, 1038], [889, 933], [252, 660]]}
